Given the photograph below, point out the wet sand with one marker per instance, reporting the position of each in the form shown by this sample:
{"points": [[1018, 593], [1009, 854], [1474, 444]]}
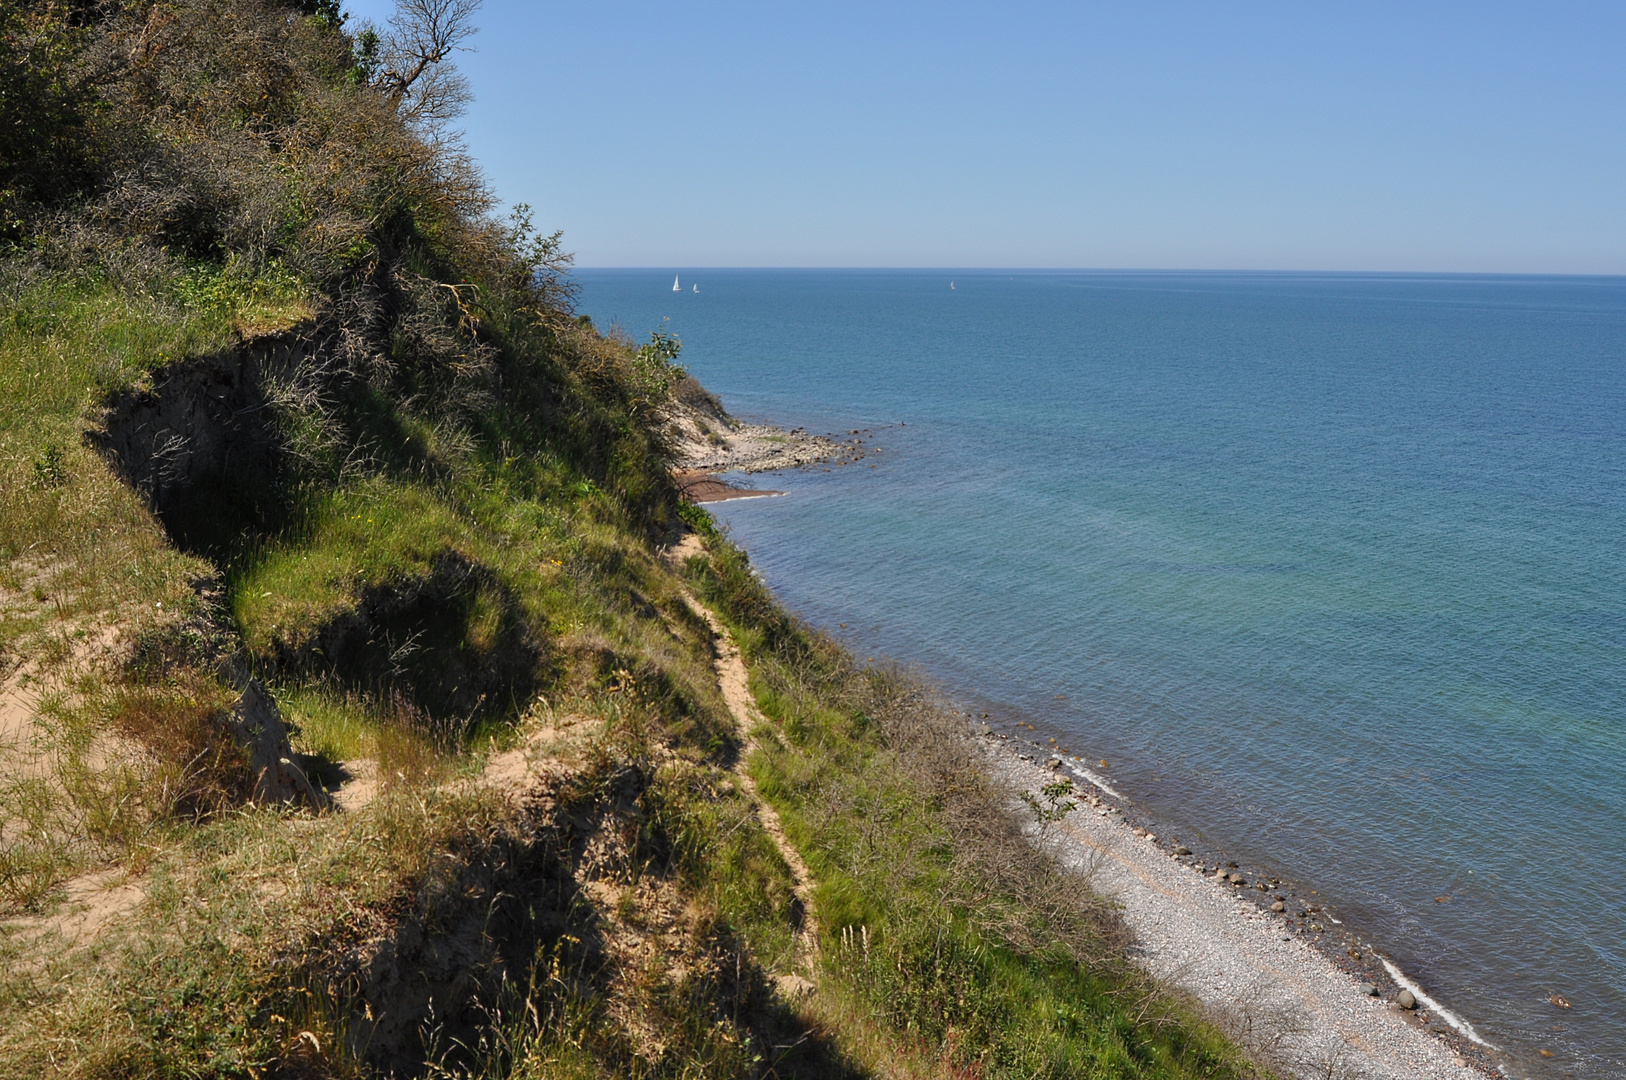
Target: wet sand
{"points": [[700, 486]]}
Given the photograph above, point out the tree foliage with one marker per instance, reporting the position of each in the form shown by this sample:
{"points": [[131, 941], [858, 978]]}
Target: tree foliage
{"points": [[47, 101], [184, 145]]}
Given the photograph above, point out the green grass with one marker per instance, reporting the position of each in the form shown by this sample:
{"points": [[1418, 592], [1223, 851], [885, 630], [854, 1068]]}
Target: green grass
{"points": [[69, 532], [553, 585], [353, 541], [444, 547], [942, 926]]}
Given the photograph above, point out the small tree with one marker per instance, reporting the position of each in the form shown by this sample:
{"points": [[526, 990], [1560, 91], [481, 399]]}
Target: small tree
{"points": [[654, 371], [408, 60], [543, 265], [1052, 803]]}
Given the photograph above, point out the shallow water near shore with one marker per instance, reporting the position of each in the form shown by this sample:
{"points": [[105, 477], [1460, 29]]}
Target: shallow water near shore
{"points": [[1331, 569]]}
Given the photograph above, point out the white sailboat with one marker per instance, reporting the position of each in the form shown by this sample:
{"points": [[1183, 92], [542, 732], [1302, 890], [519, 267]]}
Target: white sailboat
{"points": [[951, 285], [675, 286], [696, 288]]}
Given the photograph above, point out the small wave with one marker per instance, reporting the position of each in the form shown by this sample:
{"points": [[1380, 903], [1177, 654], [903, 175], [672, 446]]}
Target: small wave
{"points": [[1085, 774], [1441, 1011]]}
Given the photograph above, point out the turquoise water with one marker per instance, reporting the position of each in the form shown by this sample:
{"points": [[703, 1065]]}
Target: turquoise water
{"points": [[1331, 569]]}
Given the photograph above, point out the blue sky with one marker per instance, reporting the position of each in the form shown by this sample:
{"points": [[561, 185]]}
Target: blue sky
{"points": [[1164, 134]]}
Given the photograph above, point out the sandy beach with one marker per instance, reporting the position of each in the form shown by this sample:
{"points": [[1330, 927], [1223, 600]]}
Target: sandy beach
{"points": [[700, 486], [1204, 927]]}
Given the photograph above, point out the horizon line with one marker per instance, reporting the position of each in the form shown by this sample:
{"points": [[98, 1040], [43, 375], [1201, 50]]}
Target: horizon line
{"points": [[680, 269]]}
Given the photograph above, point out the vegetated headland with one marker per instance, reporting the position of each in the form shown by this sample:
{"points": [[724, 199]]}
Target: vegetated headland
{"points": [[373, 704]]}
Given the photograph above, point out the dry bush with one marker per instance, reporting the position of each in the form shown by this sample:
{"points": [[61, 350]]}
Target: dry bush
{"points": [[994, 855], [198, 769]]}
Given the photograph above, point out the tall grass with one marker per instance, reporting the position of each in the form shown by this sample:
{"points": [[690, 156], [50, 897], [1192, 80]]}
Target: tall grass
{"points": [[450, 551], [944, 925]]}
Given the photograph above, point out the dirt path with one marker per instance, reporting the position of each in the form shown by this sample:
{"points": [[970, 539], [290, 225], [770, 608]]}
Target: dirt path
{"points": [[735, 685]]}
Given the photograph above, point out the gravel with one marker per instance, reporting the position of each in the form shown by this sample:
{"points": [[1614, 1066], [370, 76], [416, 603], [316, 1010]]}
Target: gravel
{"points": [[1194, 931]]}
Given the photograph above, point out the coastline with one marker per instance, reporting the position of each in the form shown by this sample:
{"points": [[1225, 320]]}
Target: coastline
{"points": [[707, 441], [1294, 986], [700, 486], [1273, 979]]}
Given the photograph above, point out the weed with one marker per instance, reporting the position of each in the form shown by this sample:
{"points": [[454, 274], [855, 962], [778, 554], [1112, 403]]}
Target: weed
{"points": [[51, 468], [198, 770], [941, 918], [1052, 803]]}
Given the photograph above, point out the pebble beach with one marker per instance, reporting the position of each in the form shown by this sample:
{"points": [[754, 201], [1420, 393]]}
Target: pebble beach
{"points": [[1201, 926]]}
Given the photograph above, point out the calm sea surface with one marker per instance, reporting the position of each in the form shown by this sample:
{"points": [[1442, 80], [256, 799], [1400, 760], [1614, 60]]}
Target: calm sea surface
{"points": [[1331, 569]]}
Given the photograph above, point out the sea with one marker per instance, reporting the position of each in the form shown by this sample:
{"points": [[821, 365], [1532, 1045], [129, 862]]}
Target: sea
{"points": [[1328, 569]]}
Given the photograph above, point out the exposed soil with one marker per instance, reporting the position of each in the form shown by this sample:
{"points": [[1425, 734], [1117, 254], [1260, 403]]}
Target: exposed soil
{"points": [[197, 442], [735, 684], [569, 854], [93, 903]]}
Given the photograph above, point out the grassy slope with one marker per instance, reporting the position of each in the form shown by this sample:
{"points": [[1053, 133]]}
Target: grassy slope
{"points": [[249, 913], [946, 932], [455, 557]]}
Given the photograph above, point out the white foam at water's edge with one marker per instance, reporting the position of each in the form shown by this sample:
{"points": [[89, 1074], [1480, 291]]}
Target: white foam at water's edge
{"points": [[1441, 1011], [1086, 774]]}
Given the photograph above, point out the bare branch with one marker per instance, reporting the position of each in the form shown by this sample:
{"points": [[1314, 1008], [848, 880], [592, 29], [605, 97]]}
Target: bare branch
{"points": [[422, 36]]}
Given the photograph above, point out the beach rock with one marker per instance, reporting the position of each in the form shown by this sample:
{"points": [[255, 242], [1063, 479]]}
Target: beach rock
{"points": [[1182, 850], [1238, 879], [1406, 999], [1278, 907], [1368, 989], [1053, 763]]}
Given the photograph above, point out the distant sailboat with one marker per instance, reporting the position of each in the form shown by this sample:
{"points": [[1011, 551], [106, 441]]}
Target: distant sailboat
{"points": [[696, 288], [951, 284], [675, 286]]}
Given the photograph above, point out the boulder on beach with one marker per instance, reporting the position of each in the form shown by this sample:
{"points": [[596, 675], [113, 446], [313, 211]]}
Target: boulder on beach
{"points": [[1368, 989], [1406, 999]]}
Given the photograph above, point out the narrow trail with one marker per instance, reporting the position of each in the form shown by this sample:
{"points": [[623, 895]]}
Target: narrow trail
{"points": [[733, 681]]}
